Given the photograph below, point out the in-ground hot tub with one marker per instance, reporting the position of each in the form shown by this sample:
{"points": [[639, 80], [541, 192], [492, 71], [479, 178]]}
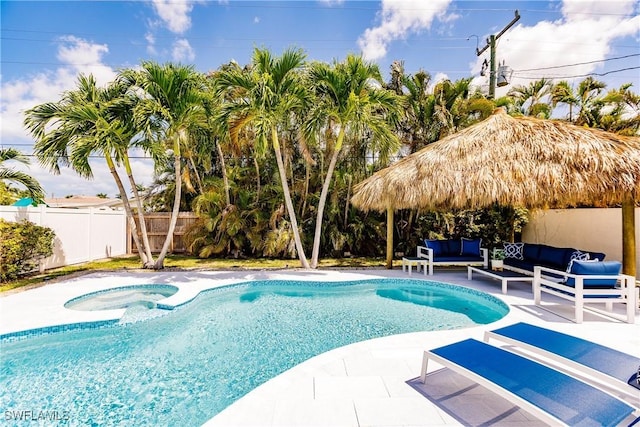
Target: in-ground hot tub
{"points": [[122, 297]]}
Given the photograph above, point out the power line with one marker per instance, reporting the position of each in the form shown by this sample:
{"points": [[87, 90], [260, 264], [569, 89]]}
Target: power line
{"points": [[580, 75], [579, 63]]}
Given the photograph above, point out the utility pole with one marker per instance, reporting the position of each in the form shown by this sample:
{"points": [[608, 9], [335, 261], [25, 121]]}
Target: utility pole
{"points": [[491, 43]]}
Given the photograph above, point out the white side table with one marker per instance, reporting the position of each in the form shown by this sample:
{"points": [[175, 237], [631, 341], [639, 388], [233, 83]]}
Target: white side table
{"points": [[409, 262]]}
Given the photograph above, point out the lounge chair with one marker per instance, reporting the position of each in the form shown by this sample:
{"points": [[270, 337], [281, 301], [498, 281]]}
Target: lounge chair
{"points": [[552, 396], [607, 366]]}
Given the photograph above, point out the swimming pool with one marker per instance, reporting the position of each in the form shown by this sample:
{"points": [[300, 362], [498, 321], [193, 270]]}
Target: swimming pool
{"points": [[185, 367]]}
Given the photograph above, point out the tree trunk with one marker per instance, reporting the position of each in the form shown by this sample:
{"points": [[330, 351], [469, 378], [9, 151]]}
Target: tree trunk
{"points": [[323, 199], [225, 179], [127, 209], [287, 199], [389, 263], [346, 203], [143, 224], [257, 166], [628, 237], [176, 202]]}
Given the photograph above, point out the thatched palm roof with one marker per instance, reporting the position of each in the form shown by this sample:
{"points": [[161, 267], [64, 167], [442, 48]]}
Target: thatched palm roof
{"points": [[519, 161]]}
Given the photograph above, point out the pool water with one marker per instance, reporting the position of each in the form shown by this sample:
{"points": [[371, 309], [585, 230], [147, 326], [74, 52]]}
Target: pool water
{"points": [[185, 367], [123, 297]]}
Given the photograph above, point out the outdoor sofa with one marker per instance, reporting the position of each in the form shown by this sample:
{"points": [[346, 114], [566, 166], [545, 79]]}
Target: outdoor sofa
{"points": [[523, 257], [453, 252]]}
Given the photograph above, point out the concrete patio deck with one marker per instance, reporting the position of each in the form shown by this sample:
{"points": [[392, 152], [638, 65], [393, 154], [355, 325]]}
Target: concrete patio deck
{"points": [[370, 383]]}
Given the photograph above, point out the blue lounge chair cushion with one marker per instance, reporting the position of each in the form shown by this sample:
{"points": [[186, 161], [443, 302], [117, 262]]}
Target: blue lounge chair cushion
{"points": [[595, 268], [566, 398], [609, 361], [470, 247]]}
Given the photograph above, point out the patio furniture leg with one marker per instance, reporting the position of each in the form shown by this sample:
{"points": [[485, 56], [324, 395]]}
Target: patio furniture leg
{"points": [[504, 286], [536, 287], [423, 373], [579, 309]]}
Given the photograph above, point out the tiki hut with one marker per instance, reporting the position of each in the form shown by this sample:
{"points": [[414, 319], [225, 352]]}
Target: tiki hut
{"points": [[516, 161]]}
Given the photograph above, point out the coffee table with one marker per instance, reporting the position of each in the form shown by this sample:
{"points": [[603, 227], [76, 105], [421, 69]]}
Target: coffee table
{"points": [[505, 276]]}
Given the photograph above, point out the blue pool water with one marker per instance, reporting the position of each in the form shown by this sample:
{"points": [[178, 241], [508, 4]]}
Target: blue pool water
{"points": [[122, 297], [186, 366]]}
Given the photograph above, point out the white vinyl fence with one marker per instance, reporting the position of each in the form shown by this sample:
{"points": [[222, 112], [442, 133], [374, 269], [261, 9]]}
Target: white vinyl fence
{"points": [[81, 234], [88, 234]]}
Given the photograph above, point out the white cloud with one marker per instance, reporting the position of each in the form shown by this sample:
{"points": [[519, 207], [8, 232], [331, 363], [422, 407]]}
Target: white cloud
{"points": [[331, 3], [85, 57], [256, 19], [175, 14], [584, 34], [151, 44], [16, 96], [399, 19], [182, 51]]}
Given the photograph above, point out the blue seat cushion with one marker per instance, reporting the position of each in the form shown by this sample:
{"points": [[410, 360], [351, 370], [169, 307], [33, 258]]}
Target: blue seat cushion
{"points": [[458, 258], [523, 264], [436, 245], [470, 247], [595, 268]]}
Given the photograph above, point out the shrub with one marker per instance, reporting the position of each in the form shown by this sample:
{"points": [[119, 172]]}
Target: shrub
{"points": [[22, 245]]}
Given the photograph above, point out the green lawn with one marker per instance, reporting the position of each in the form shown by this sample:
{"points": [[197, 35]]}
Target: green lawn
{"points": [[187, 263]]}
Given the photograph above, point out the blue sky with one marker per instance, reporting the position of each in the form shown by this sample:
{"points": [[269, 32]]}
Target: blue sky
{"points": [[45, 44]]}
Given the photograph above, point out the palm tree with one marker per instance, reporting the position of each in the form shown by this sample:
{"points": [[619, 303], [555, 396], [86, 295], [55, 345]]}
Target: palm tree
{"points": [[622, 114], [170, 113], [86, 120], [266, 97], [350, 105], [562, 93], [588, 94], [417, 102], [533, 95], [32, 186]]}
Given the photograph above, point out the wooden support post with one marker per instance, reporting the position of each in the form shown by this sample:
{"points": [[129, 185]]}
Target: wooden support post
{"points": [[628, 237], [389, 237]]}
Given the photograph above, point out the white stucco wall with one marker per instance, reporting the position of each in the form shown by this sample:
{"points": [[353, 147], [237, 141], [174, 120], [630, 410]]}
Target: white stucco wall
{"points": [[597, 229]]}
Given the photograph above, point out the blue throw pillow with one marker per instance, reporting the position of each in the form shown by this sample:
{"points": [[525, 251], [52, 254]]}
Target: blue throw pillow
{"points": [[470, 247], [436, 245], [595, 268], [577, 256]]}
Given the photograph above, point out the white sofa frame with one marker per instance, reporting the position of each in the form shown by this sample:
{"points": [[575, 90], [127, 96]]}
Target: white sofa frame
{"points": [[427, 253], [625, 292]]}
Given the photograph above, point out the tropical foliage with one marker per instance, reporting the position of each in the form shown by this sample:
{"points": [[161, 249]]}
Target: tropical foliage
{"points": [[267, 153], [22, 246], [9, 175]]}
